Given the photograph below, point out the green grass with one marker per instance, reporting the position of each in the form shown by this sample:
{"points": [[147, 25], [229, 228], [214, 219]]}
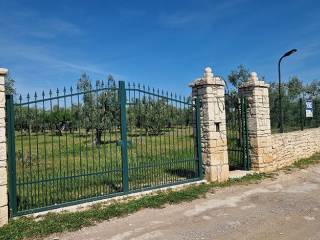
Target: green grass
{"points": [[304, 163], [54, 169], [24, 227]]}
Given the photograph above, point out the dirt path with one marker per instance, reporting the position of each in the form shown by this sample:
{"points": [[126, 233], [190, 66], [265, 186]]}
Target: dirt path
{"points": [[285, 208]]}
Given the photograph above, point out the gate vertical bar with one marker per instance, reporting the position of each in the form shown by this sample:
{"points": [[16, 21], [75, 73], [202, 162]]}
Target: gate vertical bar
{"points": [[123, 129], [11, 155], [198, 138]]}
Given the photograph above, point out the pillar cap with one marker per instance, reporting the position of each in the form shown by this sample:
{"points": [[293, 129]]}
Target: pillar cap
{"points": [[253, 81], [3, 71], [253, 77], [208, 78], [208, 72]]}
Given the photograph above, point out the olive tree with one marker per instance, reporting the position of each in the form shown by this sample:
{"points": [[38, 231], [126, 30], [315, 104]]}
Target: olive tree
{"points": [[99, 110]]}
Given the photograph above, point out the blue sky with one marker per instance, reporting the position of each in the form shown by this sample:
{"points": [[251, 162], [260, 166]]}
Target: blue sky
{"points": [[164, 43]]}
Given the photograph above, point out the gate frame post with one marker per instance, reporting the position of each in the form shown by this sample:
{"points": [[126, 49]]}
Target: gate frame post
{"points": [[11, 155], [244, 133], [259, 127], [209, 90], [4, 208], [124, 141], [198, 136]]}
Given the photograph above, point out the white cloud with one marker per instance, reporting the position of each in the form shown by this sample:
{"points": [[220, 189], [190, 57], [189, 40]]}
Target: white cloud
{"points": [[50, 28], [24, 22], [30, 49], [203, 14], [43, 55]]}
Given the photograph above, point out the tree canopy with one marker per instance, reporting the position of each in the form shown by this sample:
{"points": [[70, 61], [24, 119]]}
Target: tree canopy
{"points": [[9, 85], [239, 76]]}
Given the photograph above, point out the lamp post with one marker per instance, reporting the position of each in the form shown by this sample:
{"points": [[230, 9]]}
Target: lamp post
{"points": [[280, 98]]}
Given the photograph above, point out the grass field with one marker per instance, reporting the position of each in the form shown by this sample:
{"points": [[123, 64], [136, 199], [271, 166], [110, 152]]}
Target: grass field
{"points": [[53, 169]]}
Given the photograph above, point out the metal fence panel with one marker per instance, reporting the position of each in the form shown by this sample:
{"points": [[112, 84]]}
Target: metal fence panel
{"points": [[91, 143], [237, 132], [294, 115], [161, 138]]}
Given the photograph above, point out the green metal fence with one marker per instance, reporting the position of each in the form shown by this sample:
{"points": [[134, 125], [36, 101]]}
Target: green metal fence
{"points": [[294, 114], [237, 132], [90, 143]]}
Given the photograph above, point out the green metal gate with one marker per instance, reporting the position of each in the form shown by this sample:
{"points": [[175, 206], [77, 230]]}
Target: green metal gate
{"points": [[237, 132], [94, 143]]}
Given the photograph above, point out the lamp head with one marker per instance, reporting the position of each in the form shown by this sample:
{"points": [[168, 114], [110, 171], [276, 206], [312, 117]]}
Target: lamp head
{"points": [[290, 52]]}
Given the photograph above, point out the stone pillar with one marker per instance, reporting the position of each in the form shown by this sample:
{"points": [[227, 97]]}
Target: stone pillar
{"points": [[210, 89], [259, 128], [4, 211]]}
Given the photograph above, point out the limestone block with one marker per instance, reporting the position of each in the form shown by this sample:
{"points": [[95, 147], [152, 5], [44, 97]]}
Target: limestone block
{"points": [[218, 173], [224, 175], [3, 195], [2, 113], [2, 100], [2, 135], [3, 151], [3, 163], [2, 87], [4, 216], [3, 176]]}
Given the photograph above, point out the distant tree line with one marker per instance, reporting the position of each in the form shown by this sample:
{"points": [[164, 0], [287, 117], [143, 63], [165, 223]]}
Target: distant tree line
{"points": [[98, 111], [291, 91]]}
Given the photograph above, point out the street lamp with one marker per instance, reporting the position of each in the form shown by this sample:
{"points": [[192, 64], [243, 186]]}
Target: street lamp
{"points": [[287, 54]]}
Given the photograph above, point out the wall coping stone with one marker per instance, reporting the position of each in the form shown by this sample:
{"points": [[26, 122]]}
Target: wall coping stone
{"points": [[254, 81], [3, 71], [207, 79]]}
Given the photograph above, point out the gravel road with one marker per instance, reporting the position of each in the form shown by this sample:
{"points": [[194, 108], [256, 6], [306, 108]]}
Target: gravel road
{"points": [[287, 207]]}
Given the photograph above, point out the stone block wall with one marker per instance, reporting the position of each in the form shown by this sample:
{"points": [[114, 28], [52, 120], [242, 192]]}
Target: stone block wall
{"points": [[259, 128], [4, 213], [268, 151], [292, 146], [210, 90]]}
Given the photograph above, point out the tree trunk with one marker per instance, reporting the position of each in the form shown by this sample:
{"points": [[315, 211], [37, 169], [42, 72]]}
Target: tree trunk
{"points": [[98, 137]]}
